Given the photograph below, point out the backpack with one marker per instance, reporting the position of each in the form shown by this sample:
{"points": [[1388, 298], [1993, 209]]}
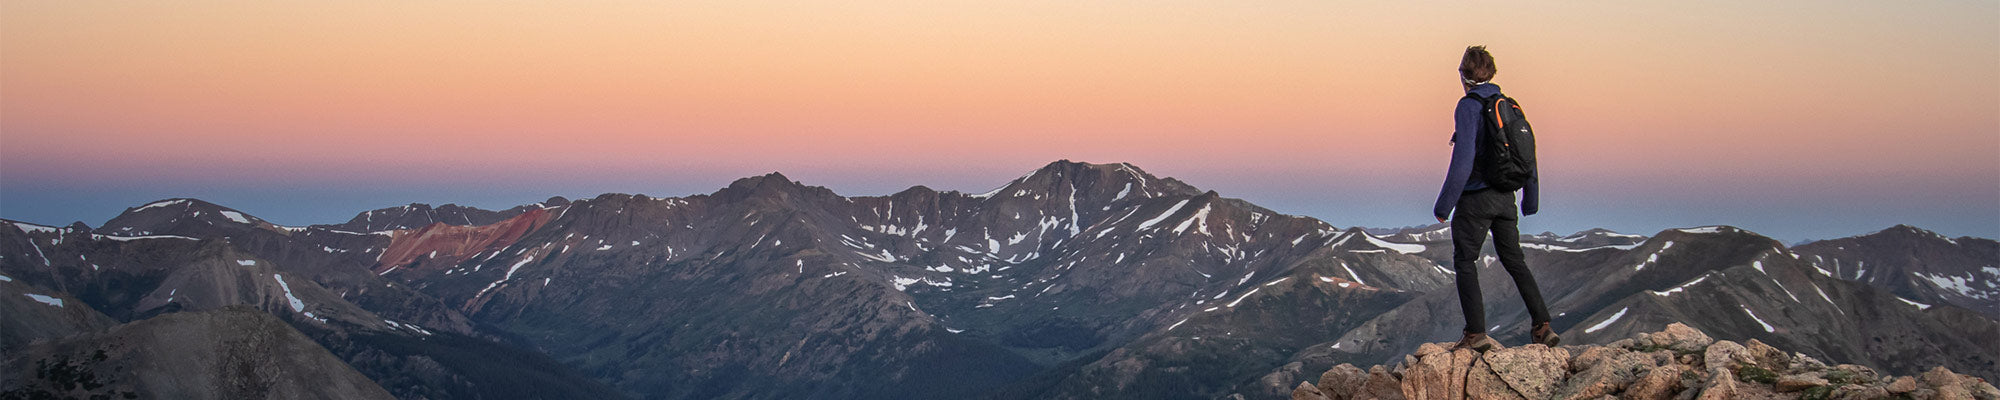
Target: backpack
{"points": [[1506, 160]]}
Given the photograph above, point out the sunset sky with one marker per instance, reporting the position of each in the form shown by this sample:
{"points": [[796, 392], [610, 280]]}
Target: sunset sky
{"points": [[1795, 119]]}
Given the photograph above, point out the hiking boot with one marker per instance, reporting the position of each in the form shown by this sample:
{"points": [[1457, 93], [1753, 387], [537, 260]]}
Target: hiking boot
{"points": [[1477, 342], [1546, 336]]}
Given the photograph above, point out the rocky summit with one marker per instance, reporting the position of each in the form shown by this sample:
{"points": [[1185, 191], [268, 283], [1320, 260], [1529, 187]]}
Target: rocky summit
{"points": [[1680, 363]]}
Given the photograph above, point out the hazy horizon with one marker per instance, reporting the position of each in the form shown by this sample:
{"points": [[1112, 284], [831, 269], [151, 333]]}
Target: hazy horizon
{"points": [[310, 206]]}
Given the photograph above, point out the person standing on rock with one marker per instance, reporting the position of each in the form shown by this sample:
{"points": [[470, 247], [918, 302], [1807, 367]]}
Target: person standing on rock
{"points": [[1481, 208]]}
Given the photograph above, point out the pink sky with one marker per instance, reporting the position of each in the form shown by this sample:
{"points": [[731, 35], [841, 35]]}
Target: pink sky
{"points": [[1722, 94]]}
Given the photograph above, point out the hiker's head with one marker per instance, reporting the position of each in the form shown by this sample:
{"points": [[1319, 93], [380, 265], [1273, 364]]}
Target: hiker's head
{"points": [[1477, 66]]}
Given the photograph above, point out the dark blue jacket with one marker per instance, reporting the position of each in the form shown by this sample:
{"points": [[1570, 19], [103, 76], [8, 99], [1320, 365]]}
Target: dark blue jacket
{"points": [[1465, 142]]}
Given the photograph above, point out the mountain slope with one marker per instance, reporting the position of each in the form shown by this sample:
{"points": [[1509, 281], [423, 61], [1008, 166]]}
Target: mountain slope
{"points": [[419, 215], [34, 314], [1049, 267], [1916, 264], [1075, 280], [133, 278], [234, 352]]}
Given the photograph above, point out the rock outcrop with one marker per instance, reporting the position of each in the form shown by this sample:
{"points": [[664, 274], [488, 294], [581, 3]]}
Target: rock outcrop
{"points": [[1678, 363]]}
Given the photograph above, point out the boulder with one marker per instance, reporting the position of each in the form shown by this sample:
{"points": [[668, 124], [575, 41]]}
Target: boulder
{"points": [[1593, 355], [1858, 392], [1534, 371], [1982, 390], [1947, 383], [1427, 349], [1306, 391], [1593, 383], [1439, 374], [1763, 355], [1663, 357], [1724, 354], [1939, 377], [1342, 381], [1482, 384], [1678, 337], [1422, 382], [1380, 386], [1660, 383], [1798, 382], [1850, 373], [1803, 362], [1721, 385], [1607, 376], [1902, 385], [1275, 383]]}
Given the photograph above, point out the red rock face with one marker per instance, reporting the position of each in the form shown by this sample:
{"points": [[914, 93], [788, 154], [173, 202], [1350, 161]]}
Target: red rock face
{"points": [[454, 244]]}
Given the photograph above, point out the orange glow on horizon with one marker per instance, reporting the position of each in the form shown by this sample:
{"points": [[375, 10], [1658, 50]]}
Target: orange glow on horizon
{"points": [[1737, 91]]}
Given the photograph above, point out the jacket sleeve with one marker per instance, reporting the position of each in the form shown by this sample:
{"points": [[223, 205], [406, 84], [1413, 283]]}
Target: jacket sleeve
{"points": [[1465, 141], [1531, 197]]}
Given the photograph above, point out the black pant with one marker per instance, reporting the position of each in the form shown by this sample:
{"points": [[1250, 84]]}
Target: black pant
{"points": [[1477, 213]]}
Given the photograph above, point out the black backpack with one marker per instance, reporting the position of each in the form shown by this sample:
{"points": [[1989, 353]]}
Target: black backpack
{"points": [[1506, 156]]}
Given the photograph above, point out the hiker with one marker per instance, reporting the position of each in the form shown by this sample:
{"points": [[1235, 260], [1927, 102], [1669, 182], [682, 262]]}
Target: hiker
{"points": [[1483, 197]]}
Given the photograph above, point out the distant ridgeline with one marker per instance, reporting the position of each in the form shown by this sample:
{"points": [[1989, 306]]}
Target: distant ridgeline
{"points": [[1076, 281]]}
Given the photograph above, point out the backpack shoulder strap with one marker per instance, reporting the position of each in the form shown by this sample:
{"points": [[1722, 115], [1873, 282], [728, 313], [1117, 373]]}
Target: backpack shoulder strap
{"points": [[1489, 107], [1492, 106]]}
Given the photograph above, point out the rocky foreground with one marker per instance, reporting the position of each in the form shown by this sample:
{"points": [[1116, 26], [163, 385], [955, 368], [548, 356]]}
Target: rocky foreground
{"points": [[1677, 363]]}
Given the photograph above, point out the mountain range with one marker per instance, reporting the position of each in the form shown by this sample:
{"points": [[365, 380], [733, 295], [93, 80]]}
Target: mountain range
{"points": [[1075, 281]]}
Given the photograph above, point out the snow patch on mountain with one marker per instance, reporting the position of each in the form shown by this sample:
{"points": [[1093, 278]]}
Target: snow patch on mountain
{"points": [[45, 299], [1239, 299], [162, 203], [1350, 272], [1684, 286], [132, 238], [32, 228], [1398, 247], [1200, 217], [1163, 216], [1829, 300], [1956, 284], [1607, 321], [884, 257], [1760, 321], [1705, 229], [297, 306], [1920, 306]]}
